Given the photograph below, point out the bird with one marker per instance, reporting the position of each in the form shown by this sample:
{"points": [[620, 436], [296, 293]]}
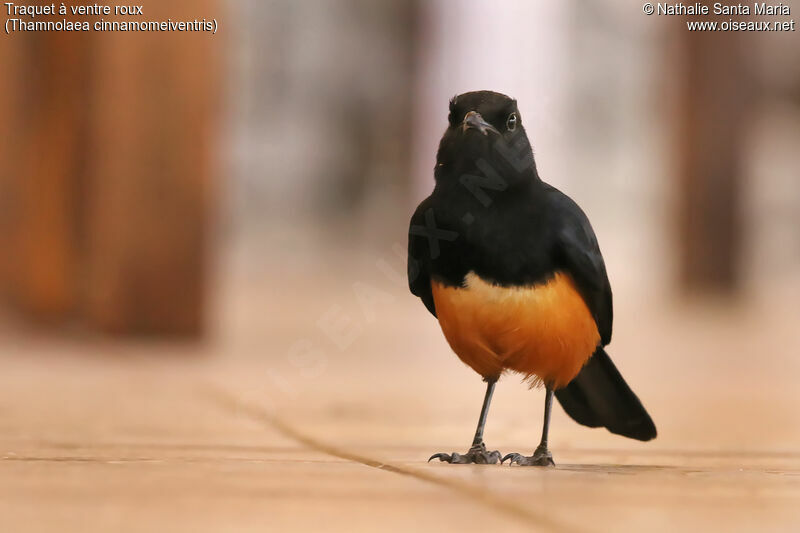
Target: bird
{"points": [[511, 268]]}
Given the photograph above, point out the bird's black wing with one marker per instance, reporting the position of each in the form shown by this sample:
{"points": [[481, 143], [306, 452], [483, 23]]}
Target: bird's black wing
{"points": [[598, 395], [419, 276], [579, 255]]}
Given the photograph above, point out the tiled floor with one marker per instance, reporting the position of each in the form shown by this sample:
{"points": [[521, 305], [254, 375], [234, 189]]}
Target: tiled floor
{"points": [[279, 423]]}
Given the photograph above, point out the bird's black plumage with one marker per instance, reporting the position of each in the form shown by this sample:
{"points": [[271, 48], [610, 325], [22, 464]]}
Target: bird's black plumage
{"points": [[490, 214], [600, 397]]}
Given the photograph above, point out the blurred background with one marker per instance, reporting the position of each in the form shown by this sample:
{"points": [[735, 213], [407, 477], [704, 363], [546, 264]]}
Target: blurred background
{"points": [[242, 200]]}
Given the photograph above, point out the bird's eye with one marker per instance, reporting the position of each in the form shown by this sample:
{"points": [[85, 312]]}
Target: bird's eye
{"points": [[511, 123]]}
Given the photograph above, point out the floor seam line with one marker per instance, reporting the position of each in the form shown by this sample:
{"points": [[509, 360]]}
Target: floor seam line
{"points": [[229, 401]]}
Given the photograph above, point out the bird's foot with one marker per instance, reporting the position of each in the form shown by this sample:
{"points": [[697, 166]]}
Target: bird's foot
{"points": [[541, 457], [476, 455]]}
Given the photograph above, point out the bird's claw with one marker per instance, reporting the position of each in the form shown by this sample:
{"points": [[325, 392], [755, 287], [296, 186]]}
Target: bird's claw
{"points": [[475, 455], [539, 458], [515, 458]]}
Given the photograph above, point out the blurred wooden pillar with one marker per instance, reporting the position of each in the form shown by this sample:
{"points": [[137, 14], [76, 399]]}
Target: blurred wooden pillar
{"points": [[107, 157], [153, 120], [9, 122], [714, 99], [44, 97]]}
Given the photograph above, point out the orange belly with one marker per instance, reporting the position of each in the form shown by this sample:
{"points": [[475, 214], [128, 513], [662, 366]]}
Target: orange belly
{"points": [[545, 331]]}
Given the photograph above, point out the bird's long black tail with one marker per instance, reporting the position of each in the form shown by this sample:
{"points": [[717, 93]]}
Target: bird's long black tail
{"points": [[599, 396]]}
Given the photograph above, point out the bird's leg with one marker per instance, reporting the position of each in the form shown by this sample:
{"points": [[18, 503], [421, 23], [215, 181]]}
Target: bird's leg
{"points": [[477, 452], [487, 400], [542, 456]]}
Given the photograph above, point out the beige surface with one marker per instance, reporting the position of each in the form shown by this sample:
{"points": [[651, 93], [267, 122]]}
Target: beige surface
{"points": [[276, 424]]}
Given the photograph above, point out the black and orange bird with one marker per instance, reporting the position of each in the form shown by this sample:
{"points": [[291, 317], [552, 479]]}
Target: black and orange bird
{"points": [[511, 268]]}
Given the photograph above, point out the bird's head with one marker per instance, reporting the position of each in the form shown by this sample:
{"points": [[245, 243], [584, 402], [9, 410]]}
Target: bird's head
{"points": [[485, 126]]}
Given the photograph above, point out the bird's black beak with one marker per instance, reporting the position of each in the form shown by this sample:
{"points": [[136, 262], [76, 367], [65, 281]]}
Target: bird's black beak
{"points": [[473, 119]]}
